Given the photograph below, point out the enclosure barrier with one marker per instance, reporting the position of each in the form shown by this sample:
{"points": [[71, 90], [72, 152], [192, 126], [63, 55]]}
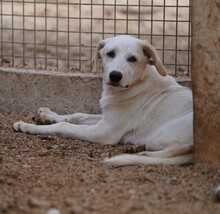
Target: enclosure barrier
{"points": [[62, 34], [206, 80]]}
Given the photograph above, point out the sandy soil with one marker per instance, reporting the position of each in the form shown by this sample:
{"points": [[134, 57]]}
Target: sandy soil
{"points": [[38, 173]]}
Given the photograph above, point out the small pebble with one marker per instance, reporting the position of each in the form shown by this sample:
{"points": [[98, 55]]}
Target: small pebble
{"points": [[25, 166], [75, 209], [217, 193], [55, 147], [170, 179], [73, 206], [43, 152], [35, 202], [105, 155], [53, 211], [18, 158]]}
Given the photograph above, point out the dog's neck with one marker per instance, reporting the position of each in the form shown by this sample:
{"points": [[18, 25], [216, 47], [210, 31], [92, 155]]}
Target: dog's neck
{"points": [[144, 87], [119, 93]]}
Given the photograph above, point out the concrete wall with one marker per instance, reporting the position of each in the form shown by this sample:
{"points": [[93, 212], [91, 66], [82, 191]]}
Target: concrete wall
{"points": [[24, 91], [206, 80]]}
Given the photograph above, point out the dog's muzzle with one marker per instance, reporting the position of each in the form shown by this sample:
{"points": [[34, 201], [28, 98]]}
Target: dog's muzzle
{"points": [[115, 77]]}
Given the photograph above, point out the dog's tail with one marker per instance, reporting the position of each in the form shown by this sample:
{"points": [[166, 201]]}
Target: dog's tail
{"points": [[171, 156], [130, 159]]}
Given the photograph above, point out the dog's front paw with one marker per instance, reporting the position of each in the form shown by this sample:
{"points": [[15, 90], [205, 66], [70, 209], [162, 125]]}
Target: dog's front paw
{"points": [[20, 127], [45, 115]]}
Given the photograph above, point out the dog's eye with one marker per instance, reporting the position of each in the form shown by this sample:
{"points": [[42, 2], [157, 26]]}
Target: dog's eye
{"points": [[132, 59], [111, 54]]}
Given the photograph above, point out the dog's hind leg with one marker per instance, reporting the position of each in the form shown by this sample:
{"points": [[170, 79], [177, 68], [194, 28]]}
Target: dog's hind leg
{"points": [[170, 152], [45, 115], [175, 155]]}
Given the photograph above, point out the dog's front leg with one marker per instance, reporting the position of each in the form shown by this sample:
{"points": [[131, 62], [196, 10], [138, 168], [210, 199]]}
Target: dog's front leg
{"points": [[46, 115], [98, 133]]}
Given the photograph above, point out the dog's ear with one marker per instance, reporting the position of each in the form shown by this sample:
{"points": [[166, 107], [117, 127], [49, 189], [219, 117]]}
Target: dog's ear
{"points": [[153, 57], [96, 57]]}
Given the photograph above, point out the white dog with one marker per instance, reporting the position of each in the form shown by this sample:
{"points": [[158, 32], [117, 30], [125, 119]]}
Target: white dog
{"points": [[140, 104]]}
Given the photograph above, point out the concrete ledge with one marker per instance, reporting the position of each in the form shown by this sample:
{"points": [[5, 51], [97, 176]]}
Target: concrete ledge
{"points": [[24, 91]]}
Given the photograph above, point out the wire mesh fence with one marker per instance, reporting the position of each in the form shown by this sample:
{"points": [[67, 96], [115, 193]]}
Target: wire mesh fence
{"points": [[62, 34]]}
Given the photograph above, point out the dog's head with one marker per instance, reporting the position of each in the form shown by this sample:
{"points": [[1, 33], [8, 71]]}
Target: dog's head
{"points": [[125, 59]]}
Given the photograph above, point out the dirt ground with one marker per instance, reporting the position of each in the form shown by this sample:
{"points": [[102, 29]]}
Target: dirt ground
{"points": [[38, 173]]}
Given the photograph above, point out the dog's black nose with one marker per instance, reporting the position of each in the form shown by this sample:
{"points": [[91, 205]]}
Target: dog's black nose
{"points": [[115, 76]]}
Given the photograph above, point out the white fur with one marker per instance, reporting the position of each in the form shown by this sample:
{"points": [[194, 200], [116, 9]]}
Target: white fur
{"points": [[146, 107]]}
